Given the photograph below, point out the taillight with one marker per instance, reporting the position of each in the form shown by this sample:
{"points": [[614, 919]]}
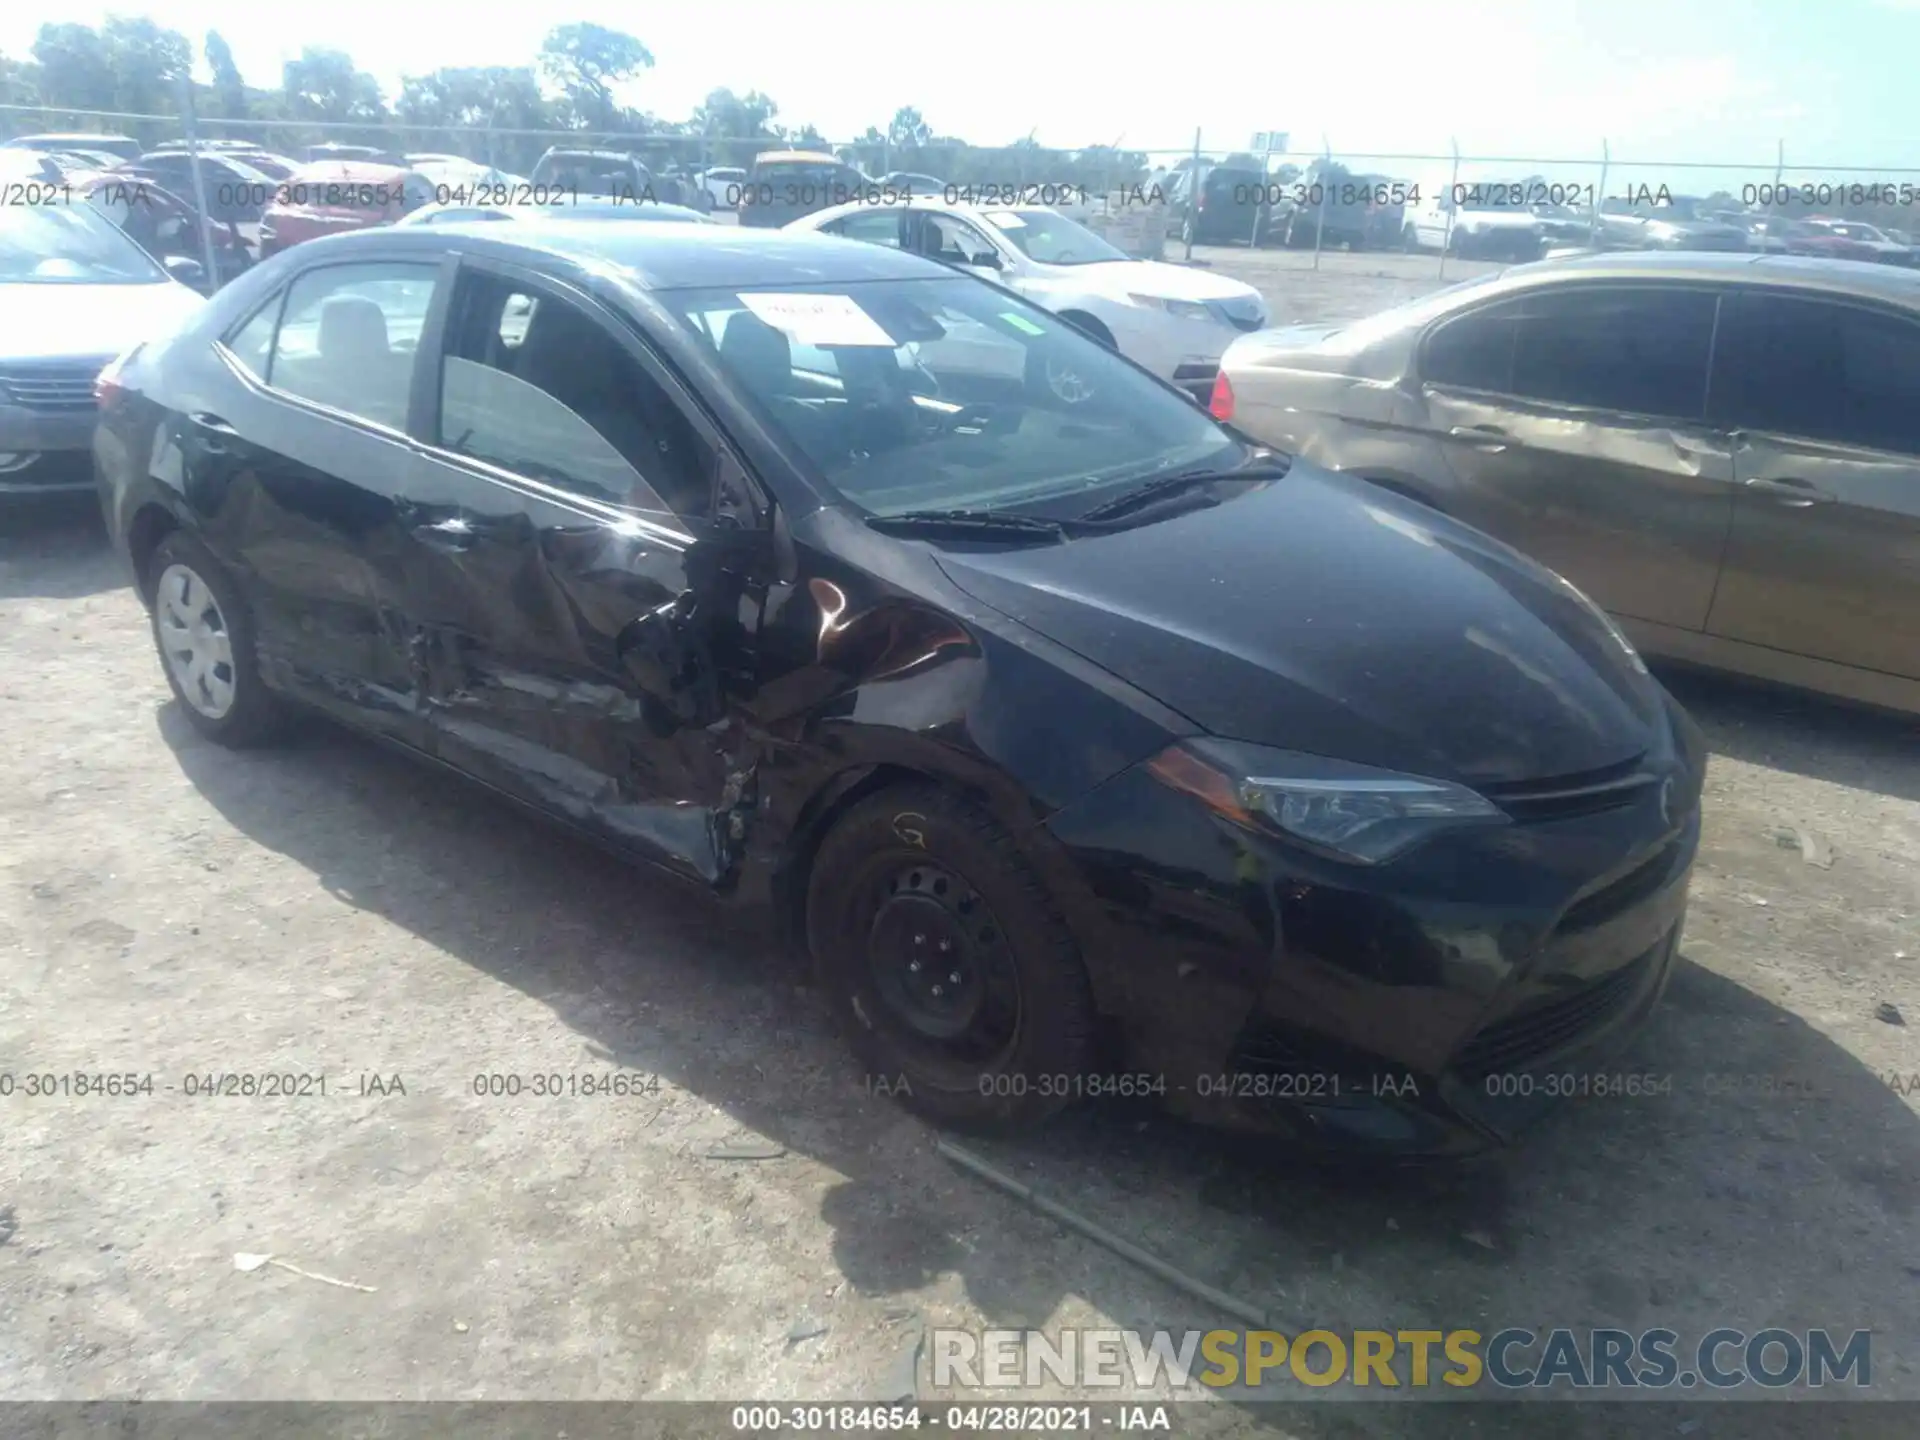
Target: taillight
{"points": [[1221, 405]]}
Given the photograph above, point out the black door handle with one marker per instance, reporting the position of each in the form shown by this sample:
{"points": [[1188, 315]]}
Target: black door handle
{"points": [[1789, 489], [1490, 438], [213, 432]]}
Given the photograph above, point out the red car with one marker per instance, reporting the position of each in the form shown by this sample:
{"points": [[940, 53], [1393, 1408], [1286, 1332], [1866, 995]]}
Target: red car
{"points": [[1815, 238], [334, 196]]}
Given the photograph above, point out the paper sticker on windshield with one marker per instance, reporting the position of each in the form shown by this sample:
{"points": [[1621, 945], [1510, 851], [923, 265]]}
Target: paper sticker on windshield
{"points": [[1021, 323], [1006, 220], [819, 320]]}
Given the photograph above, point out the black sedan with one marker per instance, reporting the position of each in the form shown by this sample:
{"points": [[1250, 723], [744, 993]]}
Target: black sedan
{"points": [[1091, 749]]}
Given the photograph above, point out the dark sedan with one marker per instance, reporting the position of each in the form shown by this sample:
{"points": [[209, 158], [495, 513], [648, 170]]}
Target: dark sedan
{"points": [[1092, 749]]}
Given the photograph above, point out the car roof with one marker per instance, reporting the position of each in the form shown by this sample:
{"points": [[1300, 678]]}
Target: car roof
{"points": [[812, 157], [563, 150], [668, 257], [916, 202], [349, 172], [1862, 279]]}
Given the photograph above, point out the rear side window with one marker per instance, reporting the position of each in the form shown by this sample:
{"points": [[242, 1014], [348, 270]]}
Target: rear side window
{"points": [[1474, 351], [1643, 351], [348, 336], [252, 343], [876, 227], [1818, 370]]}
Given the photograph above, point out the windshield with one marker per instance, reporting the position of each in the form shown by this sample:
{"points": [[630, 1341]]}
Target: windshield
{"points": [[946, 394], [1051, 238], [68, 245]]}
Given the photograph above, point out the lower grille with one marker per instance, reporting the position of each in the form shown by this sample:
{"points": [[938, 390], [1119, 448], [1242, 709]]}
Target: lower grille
{"points": [[1623, 894], [52, 470], [1542, 1029], [53, 386]]}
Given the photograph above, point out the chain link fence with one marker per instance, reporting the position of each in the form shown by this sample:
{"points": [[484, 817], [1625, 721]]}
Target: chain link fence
{"points": [[1286, 194]]}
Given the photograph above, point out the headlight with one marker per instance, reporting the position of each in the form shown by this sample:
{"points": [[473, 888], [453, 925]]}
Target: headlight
{"points": [[1179, 309], [1350, 812]]}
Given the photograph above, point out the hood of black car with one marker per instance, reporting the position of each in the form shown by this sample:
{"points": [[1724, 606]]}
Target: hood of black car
{"points": [[1320, 614]]}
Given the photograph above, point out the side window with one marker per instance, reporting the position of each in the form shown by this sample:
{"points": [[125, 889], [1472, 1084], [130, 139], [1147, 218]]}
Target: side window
{"points": [[348, 336], [535, 385], [1642, 351], [1474, 351], [1818, 370], [953, 241], [252, 343], [876, 227]]}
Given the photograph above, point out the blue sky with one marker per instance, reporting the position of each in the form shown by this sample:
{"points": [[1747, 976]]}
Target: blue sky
{"points": [[1662, 80]]}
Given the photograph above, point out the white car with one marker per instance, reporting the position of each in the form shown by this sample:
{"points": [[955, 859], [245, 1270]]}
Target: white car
{"points": [[457, 181], [1172, 320], [724, 184], [74, 294]]}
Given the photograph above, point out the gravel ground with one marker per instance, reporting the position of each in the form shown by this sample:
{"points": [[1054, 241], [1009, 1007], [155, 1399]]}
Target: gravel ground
{"points": [[171, 909]]}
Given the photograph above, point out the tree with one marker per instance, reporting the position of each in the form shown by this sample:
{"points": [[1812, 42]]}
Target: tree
{"points": [[148, 62], [908, 131], [19, 82], [325, 85], [75, 70], [737, 125], [482, 97], [586, 61], [228, 88]]}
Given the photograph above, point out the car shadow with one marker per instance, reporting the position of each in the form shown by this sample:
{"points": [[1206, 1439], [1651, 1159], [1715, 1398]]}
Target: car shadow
{"points": [[1782, 729], [1717, 1197], [54, 547]]}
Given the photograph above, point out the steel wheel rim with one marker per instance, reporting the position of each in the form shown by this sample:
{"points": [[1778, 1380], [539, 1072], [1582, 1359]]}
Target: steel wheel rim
{"points": [[195, 643], [941, 967]]}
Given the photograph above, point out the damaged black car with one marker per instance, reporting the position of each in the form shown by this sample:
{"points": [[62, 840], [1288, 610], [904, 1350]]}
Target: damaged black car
{"points": [[1087, 747]]}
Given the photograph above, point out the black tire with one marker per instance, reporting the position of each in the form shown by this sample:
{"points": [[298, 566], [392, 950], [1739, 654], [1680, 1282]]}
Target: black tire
{"points": [[255, 715], [905, 872], [1410, 239]]}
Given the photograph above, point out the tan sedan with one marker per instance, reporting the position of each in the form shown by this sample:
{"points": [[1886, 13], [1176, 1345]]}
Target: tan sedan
{"points": [[1723, 451]]}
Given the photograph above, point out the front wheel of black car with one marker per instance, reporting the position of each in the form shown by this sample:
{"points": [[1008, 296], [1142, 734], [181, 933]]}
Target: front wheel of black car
{"points": [[204, 634], [957, 983]]}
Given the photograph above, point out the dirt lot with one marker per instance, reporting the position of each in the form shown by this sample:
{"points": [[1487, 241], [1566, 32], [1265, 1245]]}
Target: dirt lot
{"points": [[170, 909]]}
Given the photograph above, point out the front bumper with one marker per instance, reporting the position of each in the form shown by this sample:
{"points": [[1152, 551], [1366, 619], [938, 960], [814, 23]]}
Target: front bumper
{"points": [[61, 444], [1185, 352], [1434, 1005]]}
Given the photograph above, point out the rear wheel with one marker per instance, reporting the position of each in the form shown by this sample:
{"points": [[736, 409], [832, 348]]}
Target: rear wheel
{"points": [[955, 980], [204, 634]]}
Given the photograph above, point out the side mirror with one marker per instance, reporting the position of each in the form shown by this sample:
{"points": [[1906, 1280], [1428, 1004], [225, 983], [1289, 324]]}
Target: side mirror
{"points": [[186, 269], [987, 260]]}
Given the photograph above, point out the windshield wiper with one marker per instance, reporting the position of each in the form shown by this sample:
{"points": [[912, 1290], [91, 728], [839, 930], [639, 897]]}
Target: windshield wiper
{"points": [[992, 524], [1156, 490]]}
